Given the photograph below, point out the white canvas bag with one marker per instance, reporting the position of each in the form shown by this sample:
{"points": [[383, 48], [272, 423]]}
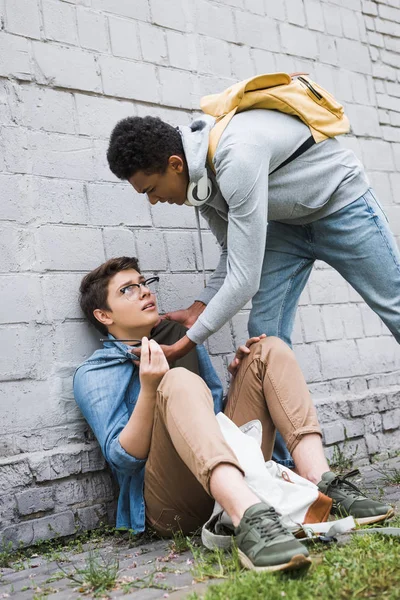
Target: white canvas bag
{"points": [[301, 504]]}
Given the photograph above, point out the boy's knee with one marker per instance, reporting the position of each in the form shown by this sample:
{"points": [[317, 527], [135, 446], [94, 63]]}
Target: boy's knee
{"points": [[272, 344], [178, 377]]}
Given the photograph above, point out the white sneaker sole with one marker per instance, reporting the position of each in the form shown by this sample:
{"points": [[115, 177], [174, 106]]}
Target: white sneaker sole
{"points": [[299, 561], [375, 519]]}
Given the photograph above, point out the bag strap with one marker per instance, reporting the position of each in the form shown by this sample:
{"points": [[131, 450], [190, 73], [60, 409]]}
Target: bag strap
{"points": [[300, 150]]}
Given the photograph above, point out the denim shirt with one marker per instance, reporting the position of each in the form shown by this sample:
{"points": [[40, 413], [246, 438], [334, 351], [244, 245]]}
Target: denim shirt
{"points": [[106, 389]]}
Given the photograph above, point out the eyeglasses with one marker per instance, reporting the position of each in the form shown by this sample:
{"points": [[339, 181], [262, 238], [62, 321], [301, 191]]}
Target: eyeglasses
{"points": [[133, 290]]}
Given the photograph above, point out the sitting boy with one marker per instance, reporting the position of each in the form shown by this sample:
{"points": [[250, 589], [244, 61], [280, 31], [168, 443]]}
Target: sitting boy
{"points": [[157, 429]]}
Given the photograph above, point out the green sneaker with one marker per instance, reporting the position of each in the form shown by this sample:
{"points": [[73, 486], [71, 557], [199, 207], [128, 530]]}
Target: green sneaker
{"points": [[265, 544], [349, 500]]}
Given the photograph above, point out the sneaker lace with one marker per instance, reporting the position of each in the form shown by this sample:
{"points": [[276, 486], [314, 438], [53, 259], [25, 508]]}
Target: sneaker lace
{"points": [[340, 481], [268, 524]]}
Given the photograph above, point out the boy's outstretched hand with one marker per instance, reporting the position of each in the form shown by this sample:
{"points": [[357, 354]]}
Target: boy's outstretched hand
{"points": [[153, 365], [242, 352]]}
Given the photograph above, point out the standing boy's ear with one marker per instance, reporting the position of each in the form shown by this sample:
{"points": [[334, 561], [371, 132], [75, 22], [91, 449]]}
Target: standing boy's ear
{"points": [[103, 316]]}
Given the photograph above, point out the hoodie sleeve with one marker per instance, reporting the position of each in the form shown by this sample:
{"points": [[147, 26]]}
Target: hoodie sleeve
{"points": [[242, 176]]}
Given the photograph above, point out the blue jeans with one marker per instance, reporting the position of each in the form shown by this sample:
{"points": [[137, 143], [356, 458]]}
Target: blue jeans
{"points": [[356, 241]]}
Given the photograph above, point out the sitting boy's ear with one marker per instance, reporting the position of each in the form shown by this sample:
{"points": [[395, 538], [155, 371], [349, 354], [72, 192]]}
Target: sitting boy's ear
{"points": [[103, 316]]}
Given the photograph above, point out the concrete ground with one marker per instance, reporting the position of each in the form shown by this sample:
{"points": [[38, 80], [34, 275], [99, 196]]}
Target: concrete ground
{"points": [[149, 570]]}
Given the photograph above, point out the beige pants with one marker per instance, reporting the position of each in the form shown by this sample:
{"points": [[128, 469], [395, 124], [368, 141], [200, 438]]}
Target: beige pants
{"points": [[187, 443]]}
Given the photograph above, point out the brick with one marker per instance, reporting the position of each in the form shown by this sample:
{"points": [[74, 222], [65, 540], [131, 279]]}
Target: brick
{"points": [[170, 215], [255, 6], [91, 517], [381, 71], [390, 134], [299, 42], [180, 251], [47, 109], [371, 321], [23, 298], [354, 428], [221, 341], [373, 443], [353, 56], [353, 323], [14, 475], [31, 399], [295, 12], [66, 67], [362, 92], [275, 10], [92, 29], [176, 88], [11, 242], [369, 8], [35, 500], [241, 61], [181, 50], [376, 39], [118, 242], [360, 407], [395, 186], [387, 27], [332, 323], [314, 14], [178, 290], [378, 354], [252, 33], [391, 43], [213, 56], [71, 253], [22, 18], [153, 43], [396, 153], [349, 24], [173, 18], [265, 62], [239, 324], [297, 333], [60, 305], [117, 204], [58, 155], [377, 155], [309, 360], [125, 8], [14, 141], [57, 201], [389, 13], [124, 36], [364, 120], [312, 324], [14, 198], [327, 49], [98, 116], [151, 250], [373, 423], [127, 79], [391, 420], [333, 24], [215, 21], [328, 287], [333, 433], [211, 250], [59, 20], [340, 359]]}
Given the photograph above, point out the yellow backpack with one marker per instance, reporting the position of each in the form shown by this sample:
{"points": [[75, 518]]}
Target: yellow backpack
{"points": [[291, 94]]}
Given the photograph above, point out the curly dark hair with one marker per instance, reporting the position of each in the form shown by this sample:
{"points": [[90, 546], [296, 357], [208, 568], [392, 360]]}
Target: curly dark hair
{"points": [[94, 287], [142, 144]]}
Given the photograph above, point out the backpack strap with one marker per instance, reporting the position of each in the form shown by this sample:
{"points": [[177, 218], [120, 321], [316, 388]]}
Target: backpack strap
{"points": [[300, 150]]}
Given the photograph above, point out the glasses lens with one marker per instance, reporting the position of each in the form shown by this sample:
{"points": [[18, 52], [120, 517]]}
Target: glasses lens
{"points": [[152, 284]]}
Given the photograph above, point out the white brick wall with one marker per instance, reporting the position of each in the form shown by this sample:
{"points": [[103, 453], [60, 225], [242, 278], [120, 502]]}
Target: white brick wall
{"points": [[68, 72]]}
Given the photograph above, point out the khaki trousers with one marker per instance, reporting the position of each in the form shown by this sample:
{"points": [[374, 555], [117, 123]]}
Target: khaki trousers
{"points": [[187, 443]]}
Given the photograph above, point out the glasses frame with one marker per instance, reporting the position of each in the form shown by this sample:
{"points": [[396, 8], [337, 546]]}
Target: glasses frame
{"points": [[144, 283]]}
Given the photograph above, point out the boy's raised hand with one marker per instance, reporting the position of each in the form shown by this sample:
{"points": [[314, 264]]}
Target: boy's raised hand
{"points": [[153, 365], [241, 352]]}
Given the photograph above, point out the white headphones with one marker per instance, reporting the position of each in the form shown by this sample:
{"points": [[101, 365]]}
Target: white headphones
{"points": [[198, 193]]}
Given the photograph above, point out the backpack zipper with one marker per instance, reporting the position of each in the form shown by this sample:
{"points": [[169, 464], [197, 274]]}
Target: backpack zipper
{"points": [[310, 87]]}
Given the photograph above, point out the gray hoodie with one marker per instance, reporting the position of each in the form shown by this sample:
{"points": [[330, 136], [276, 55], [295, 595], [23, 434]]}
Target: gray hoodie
{"points": [[246, 194]]}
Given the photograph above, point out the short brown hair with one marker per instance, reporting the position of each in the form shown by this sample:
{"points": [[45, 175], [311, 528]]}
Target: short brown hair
{"points": [[94, 287]]}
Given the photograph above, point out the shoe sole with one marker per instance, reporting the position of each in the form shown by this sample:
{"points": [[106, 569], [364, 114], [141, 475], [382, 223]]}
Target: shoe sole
{"points": [[375, 519], [299, 561]]}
